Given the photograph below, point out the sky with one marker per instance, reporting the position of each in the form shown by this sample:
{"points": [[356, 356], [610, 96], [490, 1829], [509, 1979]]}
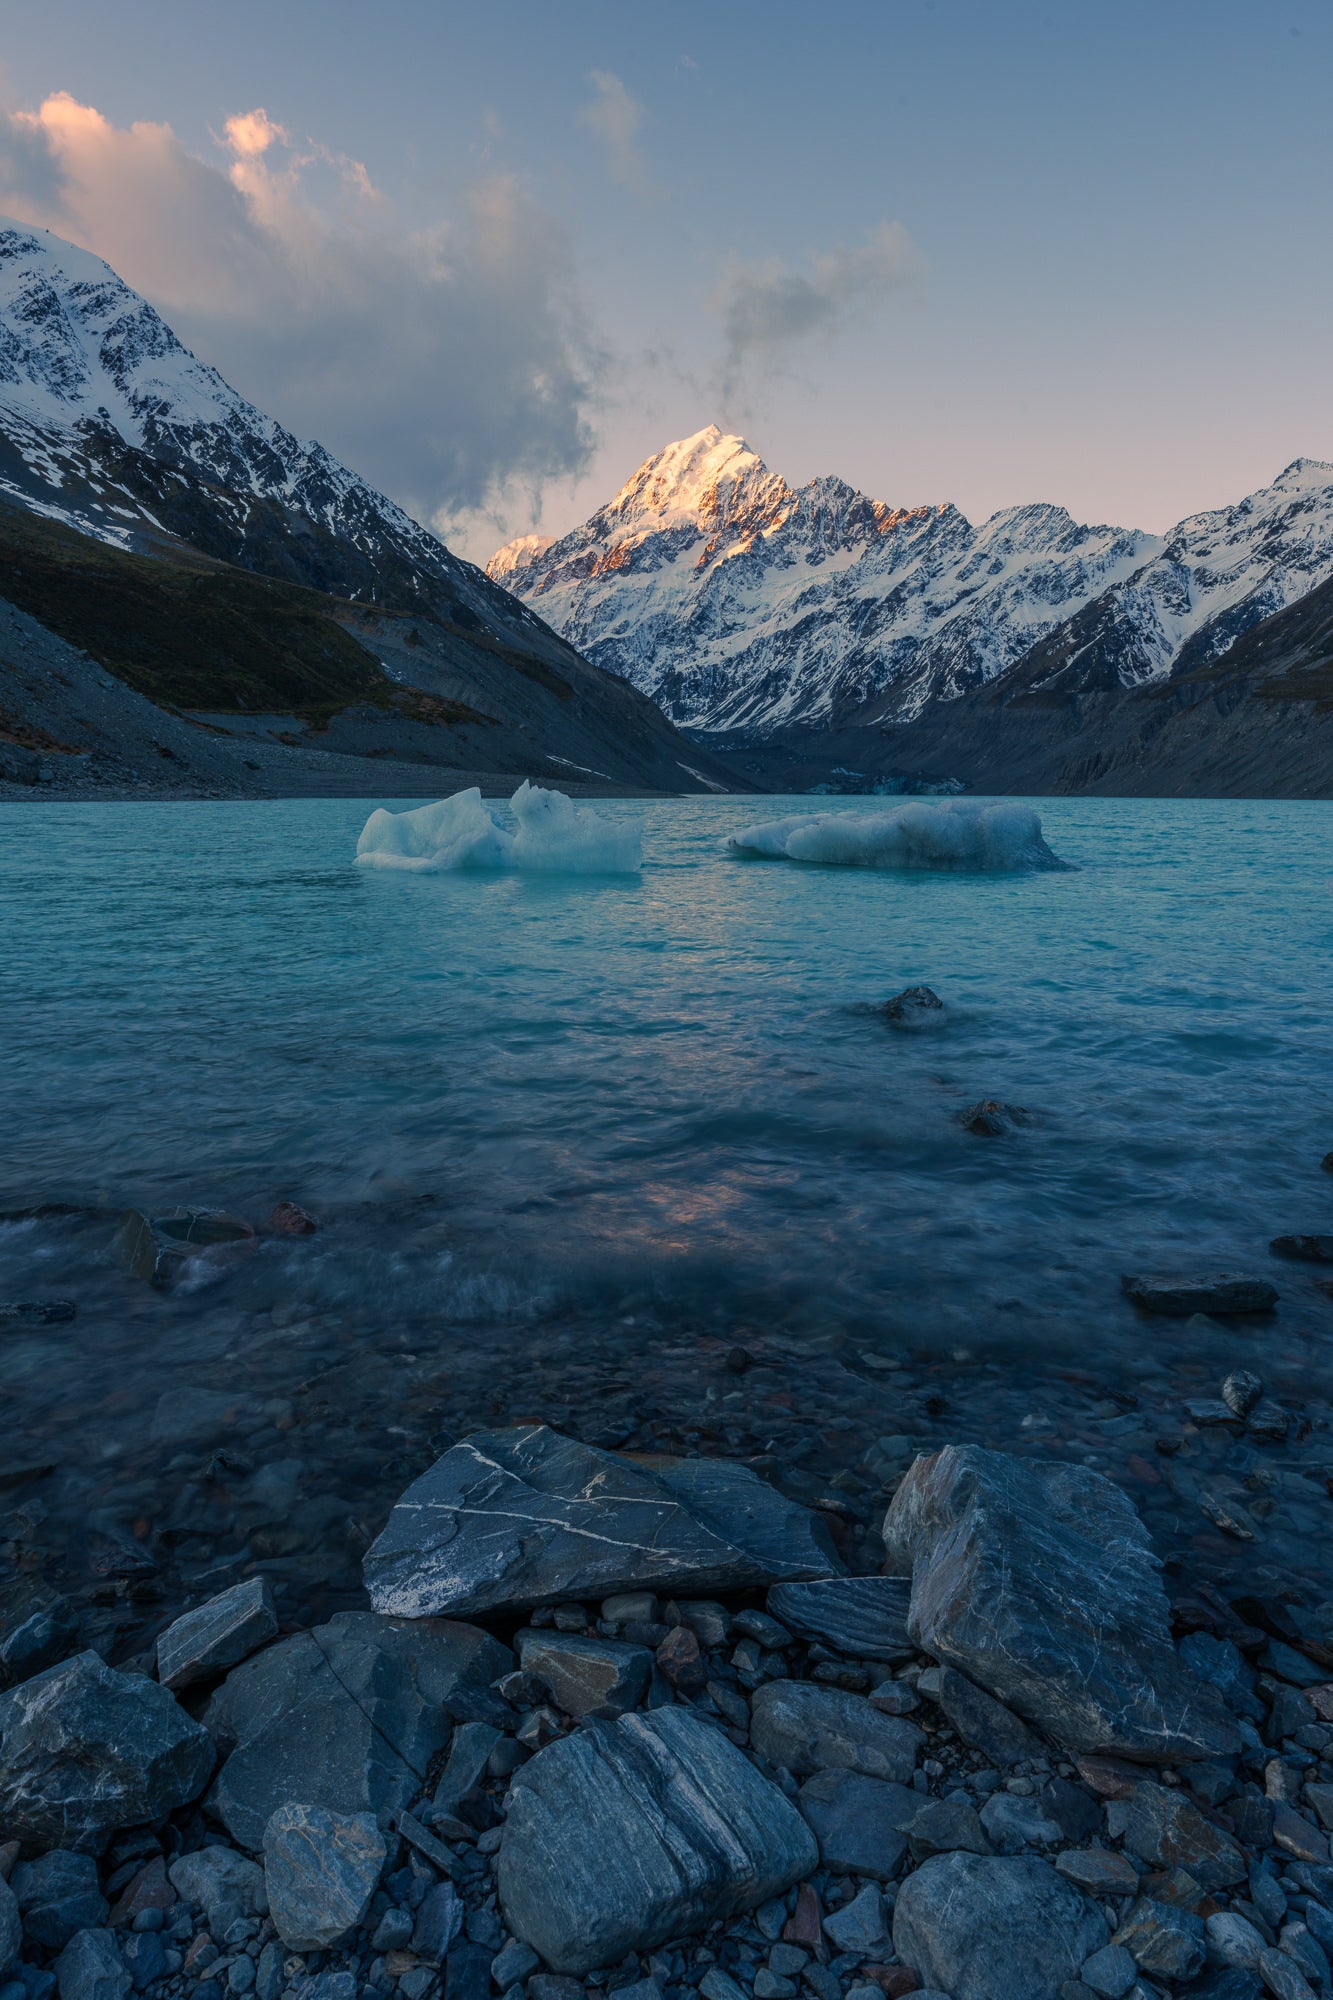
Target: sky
{"points": [[494, 257]]}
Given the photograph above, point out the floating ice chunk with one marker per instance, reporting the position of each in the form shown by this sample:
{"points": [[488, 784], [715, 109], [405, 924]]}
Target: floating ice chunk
{"points": [[958, 834], [553, 836]]}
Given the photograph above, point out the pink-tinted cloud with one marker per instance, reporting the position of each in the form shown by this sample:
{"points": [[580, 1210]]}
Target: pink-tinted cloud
{"points": [[449, 365]]}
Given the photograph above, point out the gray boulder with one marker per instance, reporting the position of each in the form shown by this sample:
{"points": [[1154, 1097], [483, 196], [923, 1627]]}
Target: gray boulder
{"points": [[1176, 1295], [862, 1616], [526, 1517], [859, 1822], [601, 1677], [1012, 1824], [1040, 1584], [321, 1870], [90, 1968], [347, 1716], [984, 1723], [977, 1926], [85, 1750], [1162, 1826], [222, 1883], [804, 1728], [1163, 1940], [58, 1894], [860, 1926], [626, 1834], [217, 1635]]}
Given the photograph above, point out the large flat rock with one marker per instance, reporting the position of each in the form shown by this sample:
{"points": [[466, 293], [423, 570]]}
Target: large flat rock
{"points": [[626, 1834], [346, 1717], [85, 1750], [525, 1517], [1040, 1584], [1177, 1294]]}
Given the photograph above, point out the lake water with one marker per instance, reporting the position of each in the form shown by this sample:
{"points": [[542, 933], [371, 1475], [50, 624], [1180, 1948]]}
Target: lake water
{"points": [[571, 1138]]}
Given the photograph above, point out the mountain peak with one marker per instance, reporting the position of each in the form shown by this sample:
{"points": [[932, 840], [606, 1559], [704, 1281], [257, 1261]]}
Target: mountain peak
{"points": [[697, 480]]}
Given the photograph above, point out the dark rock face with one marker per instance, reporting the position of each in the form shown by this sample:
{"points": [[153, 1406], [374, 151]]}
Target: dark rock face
{"points": [[1178, 1296], [347, 1716], [862, 1616], [601, 1677], [321, 1870], [976, 1926], [1040, 1583], [803, 1728], [85, 1750], [859, 1822], [526, 1517], [218, 1634], [626, 1834]]}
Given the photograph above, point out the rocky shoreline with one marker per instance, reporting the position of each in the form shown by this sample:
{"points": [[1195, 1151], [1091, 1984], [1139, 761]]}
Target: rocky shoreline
{"points": [[632, 1723]]}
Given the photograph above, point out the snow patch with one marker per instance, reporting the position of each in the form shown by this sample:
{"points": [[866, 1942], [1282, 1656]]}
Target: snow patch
{"points": [[961, 836], [553, 836]]}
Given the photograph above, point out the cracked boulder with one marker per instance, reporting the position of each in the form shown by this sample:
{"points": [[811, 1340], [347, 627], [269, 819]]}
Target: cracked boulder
{"points": [[979, 1925], [346, 1717], [85, 1750], [1040, 1584], [525, 1517], [626, 1834]]}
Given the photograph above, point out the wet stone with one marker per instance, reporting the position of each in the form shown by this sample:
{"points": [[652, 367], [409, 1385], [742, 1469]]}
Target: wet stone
{"points": [[85, 1750], [159, 1248], [58, 1894], [1040, 1583], [859, 1822], [1241, 1391], [626, 1834], [320, 1871], [1163, 1827], [975, 1926], [914, 1007], [91, 1968], [1178, 1295], [217, 1635], [528, 1517], [1162, 1940], [803, 1728], [347, 1716], [864, 1617], [1305, 1249]]}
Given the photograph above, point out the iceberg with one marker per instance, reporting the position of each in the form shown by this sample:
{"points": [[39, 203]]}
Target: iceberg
{"points": [[958, 835], [553, 836]]}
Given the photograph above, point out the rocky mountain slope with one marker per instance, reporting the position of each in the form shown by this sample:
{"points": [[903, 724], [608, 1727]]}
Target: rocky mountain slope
{"points": [[742, 604], [113, 436]]}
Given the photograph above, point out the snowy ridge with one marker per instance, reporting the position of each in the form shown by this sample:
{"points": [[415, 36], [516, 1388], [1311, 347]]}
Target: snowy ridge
{"points": [[739, 602], [99, 401]]}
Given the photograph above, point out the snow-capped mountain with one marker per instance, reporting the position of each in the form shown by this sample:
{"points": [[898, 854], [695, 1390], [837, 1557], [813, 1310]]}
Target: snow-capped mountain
{"points": [[741, 603], [109, 423]]}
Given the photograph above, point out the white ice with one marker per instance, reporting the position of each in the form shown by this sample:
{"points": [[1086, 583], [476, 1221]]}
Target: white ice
{"points": [[553, 836], [956, 834]]}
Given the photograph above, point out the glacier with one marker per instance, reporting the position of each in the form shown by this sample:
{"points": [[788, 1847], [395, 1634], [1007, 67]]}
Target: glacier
{"points": [[553, 836], [958, 836]]}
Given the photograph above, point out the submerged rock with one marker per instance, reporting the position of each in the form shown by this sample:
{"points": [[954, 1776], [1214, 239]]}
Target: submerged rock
{"points": [[218, 1634], [289, 1219], [320, 1870], [39, 1312], [991, 1119], [1241, 1392], [347, 1716], [626, 1834], [526, 1517], [1177, 1296], [1305, 1249], [862, 1616], [977, 1926], [158, 1247], [85, 1750], [1039, 1583], [914, 1007]]}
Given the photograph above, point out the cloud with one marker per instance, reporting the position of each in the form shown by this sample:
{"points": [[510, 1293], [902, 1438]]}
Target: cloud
{"points": [[615, 117], [768, 307], [450, 365]]}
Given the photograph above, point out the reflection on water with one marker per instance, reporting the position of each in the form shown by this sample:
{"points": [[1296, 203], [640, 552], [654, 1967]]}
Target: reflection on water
{"points": [[558, 1125]]}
